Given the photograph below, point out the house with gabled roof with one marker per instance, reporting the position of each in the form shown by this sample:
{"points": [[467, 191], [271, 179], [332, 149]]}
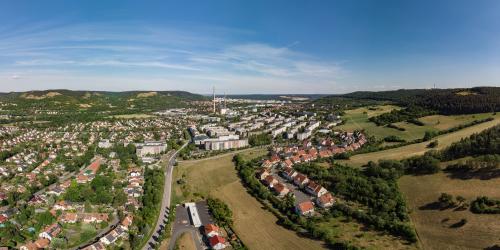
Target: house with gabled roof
{"points": [[289, 173], [305, 208], [263, 173], [270, 181], [211, 230], [315, 189], [69, 218], [51, 231], [325, 201], [280, 189], [217, 242], [300, 180]]}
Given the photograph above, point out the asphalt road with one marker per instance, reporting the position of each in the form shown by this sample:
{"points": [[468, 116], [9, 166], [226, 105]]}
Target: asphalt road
{"points": [[165, 203]]}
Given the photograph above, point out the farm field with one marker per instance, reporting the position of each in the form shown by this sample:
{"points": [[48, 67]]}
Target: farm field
{"points": [[217, 177], [420, 148], [434, 226]]}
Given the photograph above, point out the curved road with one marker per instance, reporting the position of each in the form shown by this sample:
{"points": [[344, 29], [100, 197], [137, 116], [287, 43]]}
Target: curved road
{"points": [[165, 202]]}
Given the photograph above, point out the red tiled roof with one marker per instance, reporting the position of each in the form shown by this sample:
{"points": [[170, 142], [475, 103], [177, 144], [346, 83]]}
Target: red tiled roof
{"points": [[211, 228], [306, 206], [326, 198], [214, 240]]}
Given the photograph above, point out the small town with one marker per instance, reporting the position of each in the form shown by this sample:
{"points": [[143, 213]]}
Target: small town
{"points": [[249, 125]]}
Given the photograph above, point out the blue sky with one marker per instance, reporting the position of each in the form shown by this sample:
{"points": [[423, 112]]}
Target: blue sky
{"points": [[249, 46]]}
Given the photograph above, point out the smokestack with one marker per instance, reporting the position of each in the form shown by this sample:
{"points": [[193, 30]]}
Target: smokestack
{"points": [[214, 98]]}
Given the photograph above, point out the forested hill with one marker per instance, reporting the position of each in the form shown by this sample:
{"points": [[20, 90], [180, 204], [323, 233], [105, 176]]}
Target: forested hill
{"points": [[98, 100], [444, 101]]}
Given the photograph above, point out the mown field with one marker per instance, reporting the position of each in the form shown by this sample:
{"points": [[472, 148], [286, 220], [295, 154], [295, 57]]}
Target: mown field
{"points": [[217, 177], [420, 148], [435, 227]]}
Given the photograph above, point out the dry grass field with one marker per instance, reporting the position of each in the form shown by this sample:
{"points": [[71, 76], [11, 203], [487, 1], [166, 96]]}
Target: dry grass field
{"points": [[186, 242], [362, 237], [434, 226], [217, 177], [420, 148]]}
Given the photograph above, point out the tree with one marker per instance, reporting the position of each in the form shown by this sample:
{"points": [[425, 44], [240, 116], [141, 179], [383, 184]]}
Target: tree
{"points": [[446, 200]]}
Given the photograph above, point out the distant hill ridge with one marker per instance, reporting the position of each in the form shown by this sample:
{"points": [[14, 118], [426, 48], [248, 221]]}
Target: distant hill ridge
{"points": [[99, 100], [445, 101]]}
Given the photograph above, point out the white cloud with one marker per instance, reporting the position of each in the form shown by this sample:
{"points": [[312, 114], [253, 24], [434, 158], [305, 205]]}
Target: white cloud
{"points": [[153, 57]]}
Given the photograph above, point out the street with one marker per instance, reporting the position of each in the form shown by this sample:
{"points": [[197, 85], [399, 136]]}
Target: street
{"points": [[165, 204]]}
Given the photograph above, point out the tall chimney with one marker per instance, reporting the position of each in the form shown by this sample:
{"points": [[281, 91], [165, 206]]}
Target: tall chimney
{"points": [[214, 98]]}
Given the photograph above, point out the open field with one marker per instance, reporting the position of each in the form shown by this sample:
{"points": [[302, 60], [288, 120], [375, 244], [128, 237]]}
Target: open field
{"points": [[133, 116], [360, 236], [357, 119], [186, 242], [420, 148], [434, 225], [256, 226], [442, 122]]}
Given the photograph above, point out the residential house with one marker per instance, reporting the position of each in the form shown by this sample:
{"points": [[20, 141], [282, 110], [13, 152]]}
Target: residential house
{"points": [[281, 189], [305, 208], [270, 181], [263, 173], [50, 231], [300, 180], [211, 230], [217, 242], [315, 189], [69, 218], [325, 200], [289, 173], [94, 217]]}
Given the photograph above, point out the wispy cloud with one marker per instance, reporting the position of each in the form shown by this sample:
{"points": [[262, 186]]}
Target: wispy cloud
{"points": [[103, 53]]}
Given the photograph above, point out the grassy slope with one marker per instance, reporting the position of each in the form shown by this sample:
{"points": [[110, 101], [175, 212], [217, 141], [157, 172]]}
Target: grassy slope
{"points": [[481, 231], [357, 119], [420, 148], [256, 226]]}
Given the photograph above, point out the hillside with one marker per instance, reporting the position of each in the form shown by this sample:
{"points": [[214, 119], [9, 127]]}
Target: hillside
{"points": [[69, 100], [443, 101]]}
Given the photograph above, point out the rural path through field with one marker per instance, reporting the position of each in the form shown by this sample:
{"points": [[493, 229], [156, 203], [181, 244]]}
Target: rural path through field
{"points": [[420, 148]]}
